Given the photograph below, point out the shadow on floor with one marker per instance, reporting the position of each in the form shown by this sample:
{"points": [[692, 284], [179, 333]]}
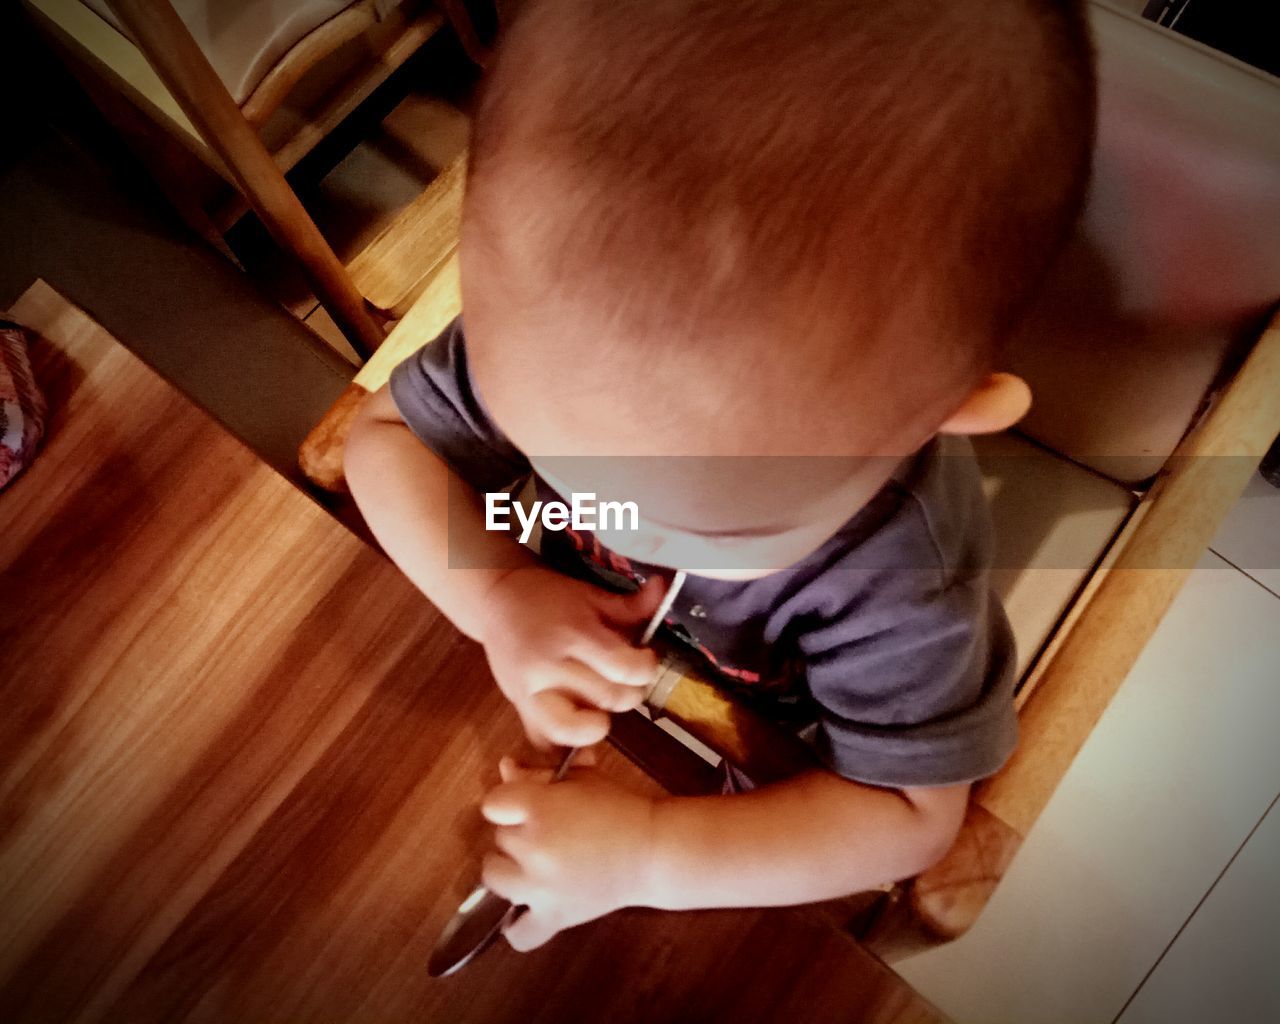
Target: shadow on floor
{"points": [[160, 291]]}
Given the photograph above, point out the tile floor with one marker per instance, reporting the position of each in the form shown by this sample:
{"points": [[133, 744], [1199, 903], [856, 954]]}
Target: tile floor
{"points": [[1148, 891]]}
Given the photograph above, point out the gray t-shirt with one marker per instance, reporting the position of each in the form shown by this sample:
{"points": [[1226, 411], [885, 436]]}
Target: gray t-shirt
{"points": [[886, 647]]}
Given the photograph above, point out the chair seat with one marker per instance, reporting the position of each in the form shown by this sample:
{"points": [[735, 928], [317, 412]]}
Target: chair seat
{"points": [[244, 39], [1053, 521]]}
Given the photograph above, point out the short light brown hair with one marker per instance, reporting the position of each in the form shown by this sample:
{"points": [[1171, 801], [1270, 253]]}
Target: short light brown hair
{"points": [[832, 166]]}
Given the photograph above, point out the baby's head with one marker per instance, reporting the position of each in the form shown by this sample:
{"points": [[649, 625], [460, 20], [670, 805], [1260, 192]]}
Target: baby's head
{"points": [[737, 259]]}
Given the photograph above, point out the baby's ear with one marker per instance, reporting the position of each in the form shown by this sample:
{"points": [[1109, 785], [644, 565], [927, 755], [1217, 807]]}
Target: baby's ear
{"points": [[994, 405]]}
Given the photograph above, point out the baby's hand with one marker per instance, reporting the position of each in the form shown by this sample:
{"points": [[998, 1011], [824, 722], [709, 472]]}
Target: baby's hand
{"points": [[569, 851], [563, 653]]}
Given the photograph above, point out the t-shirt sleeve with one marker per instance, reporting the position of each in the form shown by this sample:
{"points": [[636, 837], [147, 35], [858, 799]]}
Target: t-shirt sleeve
{"points": [[913, 674], [435, 395]]}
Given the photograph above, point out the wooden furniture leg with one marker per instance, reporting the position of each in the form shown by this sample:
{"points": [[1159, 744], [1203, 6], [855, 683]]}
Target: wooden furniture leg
{"points": [[187, 73]]}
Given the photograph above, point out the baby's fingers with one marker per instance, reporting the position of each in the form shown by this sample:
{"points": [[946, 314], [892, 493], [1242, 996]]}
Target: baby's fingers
{"points": [[632, 611], [593, 688], [608, 655], [504, 876], [538, 739], [529, 931], [511, 770], [563, 722]]}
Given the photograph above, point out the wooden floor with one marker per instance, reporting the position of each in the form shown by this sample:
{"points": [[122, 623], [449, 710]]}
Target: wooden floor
{"points": [[240, 759]]}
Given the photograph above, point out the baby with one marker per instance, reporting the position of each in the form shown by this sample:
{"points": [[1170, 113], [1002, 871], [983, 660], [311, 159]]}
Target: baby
{"points": [[745, 265]]}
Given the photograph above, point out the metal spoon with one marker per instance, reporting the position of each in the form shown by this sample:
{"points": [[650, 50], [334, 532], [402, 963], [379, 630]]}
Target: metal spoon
{"points": [[482, 916]]}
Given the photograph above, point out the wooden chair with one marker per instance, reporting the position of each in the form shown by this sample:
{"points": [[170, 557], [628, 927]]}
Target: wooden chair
{"points": [[219, 106], [1155, 360], [1158, 392]]}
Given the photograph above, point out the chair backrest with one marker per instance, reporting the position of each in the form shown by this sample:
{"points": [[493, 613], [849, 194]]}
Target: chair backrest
{"points": [[1178, 257]]}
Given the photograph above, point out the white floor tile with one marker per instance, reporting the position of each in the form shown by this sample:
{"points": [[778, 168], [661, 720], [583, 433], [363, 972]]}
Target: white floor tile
{"points": [[1178, 771], [1224, 964], [1250, 535]]}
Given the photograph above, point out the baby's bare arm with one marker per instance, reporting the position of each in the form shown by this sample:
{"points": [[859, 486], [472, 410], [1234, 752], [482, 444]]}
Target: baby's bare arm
{"points": [[813, 837], [574, 850], [559, 649], [403, 490]]}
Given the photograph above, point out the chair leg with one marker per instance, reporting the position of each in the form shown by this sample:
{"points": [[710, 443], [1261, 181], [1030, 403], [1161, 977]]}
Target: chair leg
{"points": [[187, 73]]}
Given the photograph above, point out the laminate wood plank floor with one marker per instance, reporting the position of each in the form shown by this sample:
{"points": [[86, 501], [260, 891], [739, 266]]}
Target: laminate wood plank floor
{"points": [[240, 759]]}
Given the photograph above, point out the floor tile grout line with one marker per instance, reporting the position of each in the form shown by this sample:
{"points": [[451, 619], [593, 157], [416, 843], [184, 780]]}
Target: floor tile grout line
{"points": [[1200, 902], [1244, 572]]}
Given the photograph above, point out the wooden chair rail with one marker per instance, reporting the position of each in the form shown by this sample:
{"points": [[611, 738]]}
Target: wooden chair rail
{"points": [[407, 41], [395, 268], [344, 26]]}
